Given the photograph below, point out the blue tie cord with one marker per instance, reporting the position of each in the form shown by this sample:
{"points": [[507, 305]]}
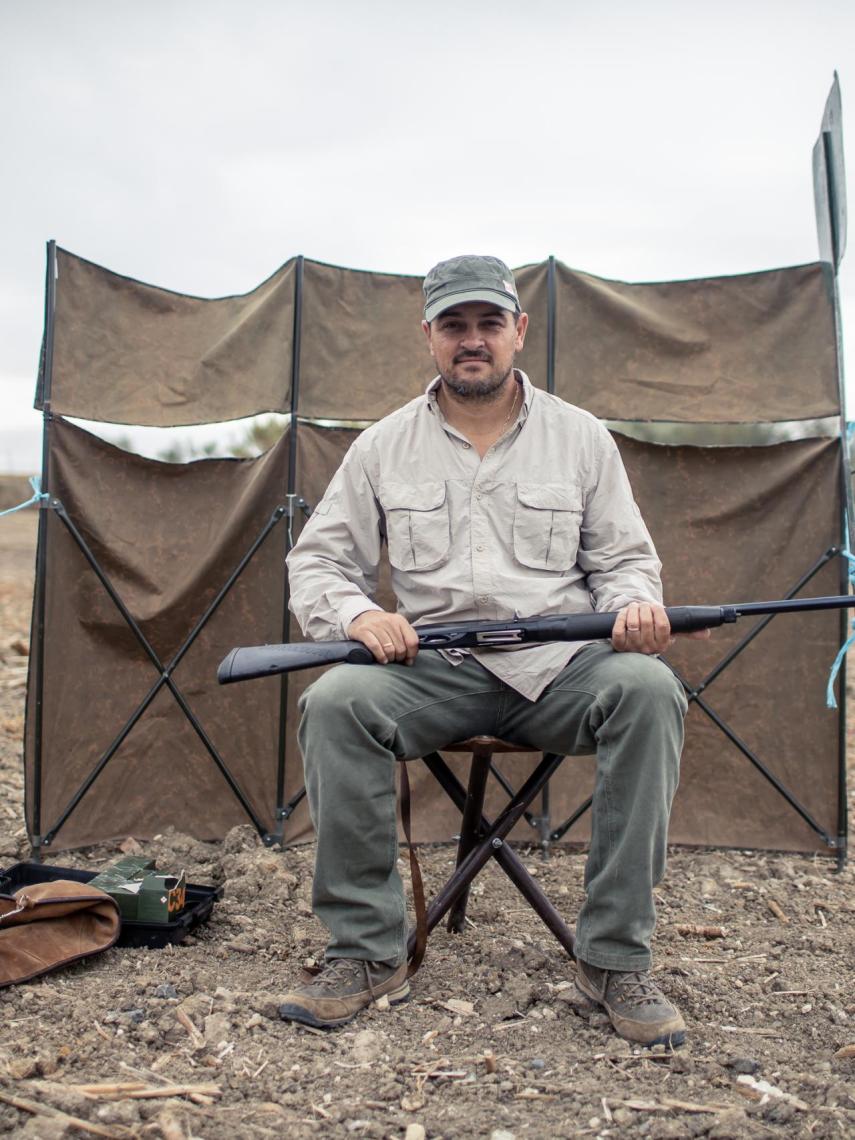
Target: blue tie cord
{"points": [[830, 700], [39, 496]]}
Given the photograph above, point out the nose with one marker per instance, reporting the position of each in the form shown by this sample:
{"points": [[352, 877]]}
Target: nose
{"points": [[472, 338]]}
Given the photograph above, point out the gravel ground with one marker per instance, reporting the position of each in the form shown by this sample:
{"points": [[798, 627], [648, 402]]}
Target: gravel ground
{"points": [[186, 1042]]}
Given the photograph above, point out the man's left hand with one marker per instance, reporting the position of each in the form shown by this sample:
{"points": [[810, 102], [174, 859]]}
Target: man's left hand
{"points": [[643, 627]]}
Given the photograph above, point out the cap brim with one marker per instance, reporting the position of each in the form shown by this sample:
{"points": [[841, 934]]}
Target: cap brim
{"points": [[491, 296]]}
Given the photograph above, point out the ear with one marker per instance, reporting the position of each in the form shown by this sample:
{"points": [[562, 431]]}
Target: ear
{"points": [[521, 326], [426, 331]]}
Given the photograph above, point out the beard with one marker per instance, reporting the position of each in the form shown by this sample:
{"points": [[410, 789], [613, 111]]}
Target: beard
{"points": [[485, 388]]}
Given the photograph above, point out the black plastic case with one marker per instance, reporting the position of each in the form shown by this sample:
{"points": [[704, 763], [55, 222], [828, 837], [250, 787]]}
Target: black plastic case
{"points": [[200, 903]]}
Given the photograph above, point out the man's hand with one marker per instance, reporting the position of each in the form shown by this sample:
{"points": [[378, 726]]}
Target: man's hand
{"points": [[643, 627], [390, 637]]}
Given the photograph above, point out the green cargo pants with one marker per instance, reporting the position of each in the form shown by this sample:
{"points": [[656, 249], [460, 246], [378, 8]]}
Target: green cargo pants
{"points": [[358, 719]]}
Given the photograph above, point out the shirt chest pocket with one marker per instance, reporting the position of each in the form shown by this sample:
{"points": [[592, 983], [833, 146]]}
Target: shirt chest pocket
{"points": [[547, 522], [418, 525]]}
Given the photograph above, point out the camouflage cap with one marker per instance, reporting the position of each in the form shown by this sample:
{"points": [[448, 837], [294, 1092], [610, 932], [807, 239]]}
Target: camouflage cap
{"points": [[469, 278]]}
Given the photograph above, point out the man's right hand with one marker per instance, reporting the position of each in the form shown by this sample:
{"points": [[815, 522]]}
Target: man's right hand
{"points": [[390, 637]]}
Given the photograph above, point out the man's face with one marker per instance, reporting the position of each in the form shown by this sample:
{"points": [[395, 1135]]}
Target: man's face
{"points": [[474, 345]]}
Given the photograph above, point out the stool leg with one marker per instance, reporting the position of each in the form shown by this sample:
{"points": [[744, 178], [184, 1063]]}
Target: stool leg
{"points": [[470, 826]]}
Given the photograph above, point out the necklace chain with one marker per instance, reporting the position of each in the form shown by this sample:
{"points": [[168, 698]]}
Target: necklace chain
{"points": [[513, 407]]}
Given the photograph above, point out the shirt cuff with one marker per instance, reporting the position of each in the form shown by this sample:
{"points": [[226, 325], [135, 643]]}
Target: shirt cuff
{"points": [[351, 609]]}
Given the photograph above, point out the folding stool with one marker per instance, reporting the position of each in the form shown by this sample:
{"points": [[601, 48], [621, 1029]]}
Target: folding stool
{"points": [[482, 839]]}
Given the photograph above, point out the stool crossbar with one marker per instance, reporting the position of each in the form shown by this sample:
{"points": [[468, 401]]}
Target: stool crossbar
{"points": [[482, 839]]}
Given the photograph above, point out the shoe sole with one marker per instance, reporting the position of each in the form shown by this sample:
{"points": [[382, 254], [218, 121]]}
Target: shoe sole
{"points": [[303, 1016], [672, 1040]]}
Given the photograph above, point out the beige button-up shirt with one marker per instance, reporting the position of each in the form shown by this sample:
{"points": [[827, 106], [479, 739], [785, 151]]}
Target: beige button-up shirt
{"points": [[545, 523]]}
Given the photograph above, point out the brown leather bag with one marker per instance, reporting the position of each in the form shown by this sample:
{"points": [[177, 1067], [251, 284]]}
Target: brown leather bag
{"points": [[47, 925]]}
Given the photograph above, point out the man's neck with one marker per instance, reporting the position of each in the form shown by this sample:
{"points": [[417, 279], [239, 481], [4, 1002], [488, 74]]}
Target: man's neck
{"points": [[479, 418]]}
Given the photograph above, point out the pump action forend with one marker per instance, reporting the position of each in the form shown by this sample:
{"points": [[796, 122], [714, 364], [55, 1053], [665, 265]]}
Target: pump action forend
{"points": [[245, 664]]}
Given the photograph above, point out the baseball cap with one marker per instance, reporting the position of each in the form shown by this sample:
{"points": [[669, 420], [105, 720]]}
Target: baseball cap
{"points": [[469, 278]]}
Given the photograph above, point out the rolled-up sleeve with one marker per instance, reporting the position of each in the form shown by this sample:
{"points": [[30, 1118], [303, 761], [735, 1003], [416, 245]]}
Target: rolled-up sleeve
{"points": [[616, 550], [333, 567]]}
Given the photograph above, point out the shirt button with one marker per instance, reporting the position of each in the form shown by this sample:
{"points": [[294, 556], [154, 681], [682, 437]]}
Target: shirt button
{"points": [[478, 495], [466, 444], [480, 546], [483, 598]]}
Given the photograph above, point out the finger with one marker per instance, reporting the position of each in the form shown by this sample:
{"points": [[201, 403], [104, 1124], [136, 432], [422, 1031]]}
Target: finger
{"points": [[383, 644], [646, 638], [411, 643], [661, 629], [371, 641], [619, 632], [633, 620]]}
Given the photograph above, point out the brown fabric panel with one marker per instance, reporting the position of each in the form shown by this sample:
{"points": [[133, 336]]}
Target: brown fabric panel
{"points": [[759, 346], [363, 352], [130, 353], [168, 536], [736, 525], [532, 288]]}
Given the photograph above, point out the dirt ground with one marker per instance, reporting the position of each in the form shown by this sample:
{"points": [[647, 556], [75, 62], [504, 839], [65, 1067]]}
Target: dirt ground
{"points": [[491, 1043]]}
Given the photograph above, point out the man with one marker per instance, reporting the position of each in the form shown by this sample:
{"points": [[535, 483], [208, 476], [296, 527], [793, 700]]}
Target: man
{"points": [[494, 499]]}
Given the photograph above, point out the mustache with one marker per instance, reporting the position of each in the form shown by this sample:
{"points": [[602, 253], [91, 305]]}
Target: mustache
{"points": [[462, 357]]}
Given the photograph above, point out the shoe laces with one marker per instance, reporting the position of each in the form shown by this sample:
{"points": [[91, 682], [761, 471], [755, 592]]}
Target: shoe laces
{"points": [[636, 985], [340, 970]]}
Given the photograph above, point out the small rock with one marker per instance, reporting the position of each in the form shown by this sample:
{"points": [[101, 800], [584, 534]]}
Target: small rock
{"points": [[415, 1132], [730, 1125], [119, 1112], [217, 1028], [367, 1046], [537, 1063], [458, 1005], [778, 1112], [45, 1128], [166, 990], [621, 1115], [743, 1065], [502, 1134]]}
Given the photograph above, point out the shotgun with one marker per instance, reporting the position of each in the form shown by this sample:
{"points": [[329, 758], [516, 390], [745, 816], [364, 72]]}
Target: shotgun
{"points": [[245, 664]]}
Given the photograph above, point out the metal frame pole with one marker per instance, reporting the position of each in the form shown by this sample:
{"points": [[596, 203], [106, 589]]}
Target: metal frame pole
{"points": [[550, 324], [847, 506], [40, 600], [283, 810]]}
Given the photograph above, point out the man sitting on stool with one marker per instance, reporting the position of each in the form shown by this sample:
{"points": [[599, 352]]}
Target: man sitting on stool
{"points": [[494, 499]]}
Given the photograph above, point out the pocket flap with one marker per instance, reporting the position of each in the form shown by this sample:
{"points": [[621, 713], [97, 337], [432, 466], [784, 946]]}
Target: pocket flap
{"points": [[550, 496], [411, 496]]}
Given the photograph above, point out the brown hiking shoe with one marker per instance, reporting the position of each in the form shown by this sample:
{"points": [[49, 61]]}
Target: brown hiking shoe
{"points": [[342, 988], [637, 1008]]}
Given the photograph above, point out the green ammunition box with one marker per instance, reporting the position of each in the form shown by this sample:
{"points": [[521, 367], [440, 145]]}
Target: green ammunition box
{"points": [[140, 892]]}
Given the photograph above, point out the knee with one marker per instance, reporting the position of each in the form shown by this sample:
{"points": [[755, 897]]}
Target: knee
{"points": [[648, 684], [337, 691]]}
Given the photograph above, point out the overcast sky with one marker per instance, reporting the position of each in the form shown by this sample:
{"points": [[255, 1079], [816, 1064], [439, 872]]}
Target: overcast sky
{"points": [[197, 145]]}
